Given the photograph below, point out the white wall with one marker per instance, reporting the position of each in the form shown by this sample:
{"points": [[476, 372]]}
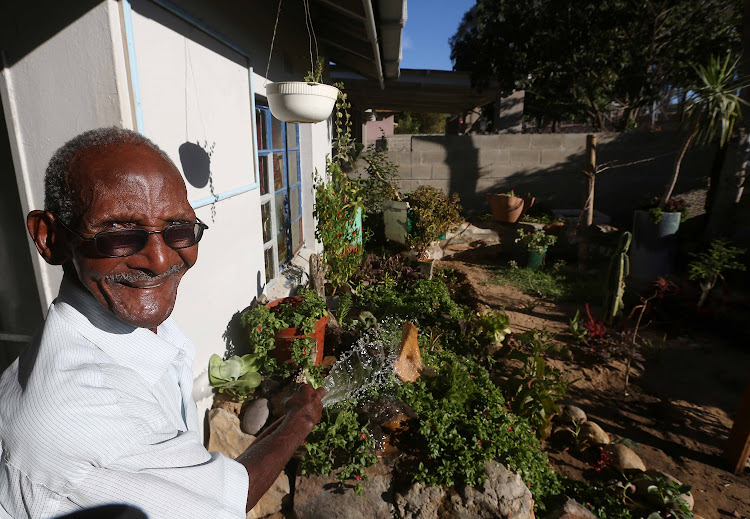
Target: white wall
{"points": [[196, 89], [72, 82]]}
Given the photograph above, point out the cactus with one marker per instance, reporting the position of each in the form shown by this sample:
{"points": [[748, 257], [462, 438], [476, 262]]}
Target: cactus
{"points": [[619, 268]]}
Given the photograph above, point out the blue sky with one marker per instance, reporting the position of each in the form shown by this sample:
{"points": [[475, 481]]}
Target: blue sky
{"points": [[429, 25]]}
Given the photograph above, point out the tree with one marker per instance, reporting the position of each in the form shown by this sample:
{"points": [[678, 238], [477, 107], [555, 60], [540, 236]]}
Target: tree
{"points": [[421, 122], [579, 58]]}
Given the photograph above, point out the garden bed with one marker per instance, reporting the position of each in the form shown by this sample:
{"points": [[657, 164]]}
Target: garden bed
{"points": [[679, 409]]}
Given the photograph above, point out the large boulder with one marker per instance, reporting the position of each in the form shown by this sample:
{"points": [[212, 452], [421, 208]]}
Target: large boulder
{"points": [[408, 365], [642, 484], [504, 496], [421, 502], [319, 497]]}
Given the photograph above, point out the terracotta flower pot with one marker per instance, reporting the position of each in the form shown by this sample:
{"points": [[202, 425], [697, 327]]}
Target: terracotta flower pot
{"points": [[508, 208], [283, 339]]}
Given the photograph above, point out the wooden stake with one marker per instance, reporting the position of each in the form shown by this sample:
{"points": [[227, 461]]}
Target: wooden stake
{"points": [[590, 173], [738, 444]]}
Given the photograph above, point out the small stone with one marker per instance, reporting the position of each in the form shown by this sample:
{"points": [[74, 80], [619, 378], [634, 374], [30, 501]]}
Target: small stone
{"points": [[572, 414], [256, 416], [225, 435], [593, 433], [328, 361], [625, 459], [408, 366], [571, 509]]}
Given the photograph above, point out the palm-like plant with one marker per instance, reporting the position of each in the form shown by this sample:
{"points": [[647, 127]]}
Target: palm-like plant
{"points": [[713, 107]]}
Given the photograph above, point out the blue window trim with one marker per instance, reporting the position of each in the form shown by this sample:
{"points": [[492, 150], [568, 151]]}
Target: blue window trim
{"points": [[287, 187]]}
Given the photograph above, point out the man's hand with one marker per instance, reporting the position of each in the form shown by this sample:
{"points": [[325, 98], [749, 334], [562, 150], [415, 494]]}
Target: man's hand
{"points": [[273, 448], [305, 406]]}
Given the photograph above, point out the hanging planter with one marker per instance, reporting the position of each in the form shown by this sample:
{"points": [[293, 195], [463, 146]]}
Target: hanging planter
{"points": [[301, 102]]}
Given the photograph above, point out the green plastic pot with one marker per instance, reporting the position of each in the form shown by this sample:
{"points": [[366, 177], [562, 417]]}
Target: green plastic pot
{"points": [[535, 260]]}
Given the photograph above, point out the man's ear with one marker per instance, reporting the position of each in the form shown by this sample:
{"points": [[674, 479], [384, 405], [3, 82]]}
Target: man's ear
{"points": [[48, 236]]}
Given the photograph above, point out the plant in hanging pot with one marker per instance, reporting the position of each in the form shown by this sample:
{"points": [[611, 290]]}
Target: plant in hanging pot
{"points": [[434, 214], [534, 245], [507, 207], [308, 101], [288, 333]]}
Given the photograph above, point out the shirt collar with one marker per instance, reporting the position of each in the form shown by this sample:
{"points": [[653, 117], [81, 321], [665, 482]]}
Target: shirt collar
{"points": [[139, 349]]}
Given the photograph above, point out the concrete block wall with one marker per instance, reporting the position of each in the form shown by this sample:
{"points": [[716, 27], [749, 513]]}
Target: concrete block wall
{"points": [[549, 167]]}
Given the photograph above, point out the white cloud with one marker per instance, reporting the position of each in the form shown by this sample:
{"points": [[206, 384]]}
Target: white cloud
{"points": [[406, 42]]}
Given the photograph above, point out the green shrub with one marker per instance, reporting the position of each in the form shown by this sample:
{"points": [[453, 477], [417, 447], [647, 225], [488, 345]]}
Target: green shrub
{"points": [[340, 444], [463, 424]]}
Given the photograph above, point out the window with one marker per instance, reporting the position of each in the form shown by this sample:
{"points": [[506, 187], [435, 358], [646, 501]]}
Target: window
{"points": [[280, 190]]}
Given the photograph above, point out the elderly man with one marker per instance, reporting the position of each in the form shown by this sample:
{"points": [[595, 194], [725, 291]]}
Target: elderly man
{"points": [[98, 408]]}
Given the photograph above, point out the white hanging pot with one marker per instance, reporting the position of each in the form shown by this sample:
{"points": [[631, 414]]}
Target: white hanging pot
{"points": [[300, 102]]}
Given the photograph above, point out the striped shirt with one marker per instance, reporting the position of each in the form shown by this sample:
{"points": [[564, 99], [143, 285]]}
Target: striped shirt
{"points": [[96, 411]]}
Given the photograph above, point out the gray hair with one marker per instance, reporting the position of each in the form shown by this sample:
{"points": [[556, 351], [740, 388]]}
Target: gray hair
{"points": [[57, 198]]}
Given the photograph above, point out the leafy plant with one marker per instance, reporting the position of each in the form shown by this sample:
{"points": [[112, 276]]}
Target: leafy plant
{"points": [[261, 323], [673, 205], [236, 376], [462, 424], [535, 241], [577, 329], [316, 74], [712, 106], [434, 214], [340, 443], [492, 326], [534, 387], [708, 266], [668, 495], [381, 179], [337, 201]]}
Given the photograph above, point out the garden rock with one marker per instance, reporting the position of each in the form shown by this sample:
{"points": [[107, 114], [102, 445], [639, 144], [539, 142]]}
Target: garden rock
{"points": [[571, 509], [593, 433], [255, 417], [421, 502], [572, 414], [318, 497], [408, 366], [642, 484], [503, 495], [625, 459], [225, 435], [226, 402]]}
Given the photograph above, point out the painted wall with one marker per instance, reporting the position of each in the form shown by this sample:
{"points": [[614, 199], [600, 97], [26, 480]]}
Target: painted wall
{"points": [[73, 81]]}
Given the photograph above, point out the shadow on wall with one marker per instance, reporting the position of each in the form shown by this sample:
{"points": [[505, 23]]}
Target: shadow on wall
{"points": [[640, 165]]}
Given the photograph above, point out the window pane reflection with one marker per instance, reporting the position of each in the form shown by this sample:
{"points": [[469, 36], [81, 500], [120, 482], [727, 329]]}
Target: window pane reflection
{"points": [[265, 216], [293, 169], [276, 139], [263, 174], [291, 135], [278, 171]]}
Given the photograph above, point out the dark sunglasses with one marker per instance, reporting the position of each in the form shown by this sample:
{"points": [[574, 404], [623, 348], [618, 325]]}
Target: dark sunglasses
{"points": [[117, 243]]}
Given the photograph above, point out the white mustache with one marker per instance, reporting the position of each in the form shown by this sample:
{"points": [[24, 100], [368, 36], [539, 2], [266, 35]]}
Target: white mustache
{"points": [[132, 277]]}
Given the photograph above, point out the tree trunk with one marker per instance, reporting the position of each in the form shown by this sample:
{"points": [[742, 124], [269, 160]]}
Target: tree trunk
{"points": [[590, 173], [676, 170]]}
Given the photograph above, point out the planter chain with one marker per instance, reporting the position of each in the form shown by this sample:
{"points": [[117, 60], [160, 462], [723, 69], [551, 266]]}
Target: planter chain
{"points": [[273, 38]]}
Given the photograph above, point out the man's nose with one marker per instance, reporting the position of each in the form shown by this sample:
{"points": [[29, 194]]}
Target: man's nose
{"points": [[155, 256]]}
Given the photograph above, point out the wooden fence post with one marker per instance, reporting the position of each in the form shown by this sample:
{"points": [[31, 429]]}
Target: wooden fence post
{"points": [[590, 173], [738, 444]]}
